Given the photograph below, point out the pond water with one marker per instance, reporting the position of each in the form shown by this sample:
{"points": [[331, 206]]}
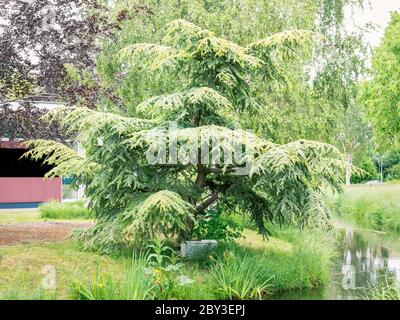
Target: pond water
{"points": [[364, 259]]}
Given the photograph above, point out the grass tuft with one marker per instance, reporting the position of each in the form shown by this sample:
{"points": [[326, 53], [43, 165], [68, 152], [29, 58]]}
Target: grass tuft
{"points": [[388, 290], [240, 276], [134, 285], [373, 207], [63, 210]]}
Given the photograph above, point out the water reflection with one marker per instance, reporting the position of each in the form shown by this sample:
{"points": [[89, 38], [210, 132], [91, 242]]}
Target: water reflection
{"points": [[364, 259], [365, 262]]}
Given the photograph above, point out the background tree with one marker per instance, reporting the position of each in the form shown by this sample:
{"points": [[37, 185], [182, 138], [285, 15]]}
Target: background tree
{"points": [[134, 199], [48, 51], [242, 21], [322, 82], [39, 37], [306, 107], [381, 94], [354, 139]]}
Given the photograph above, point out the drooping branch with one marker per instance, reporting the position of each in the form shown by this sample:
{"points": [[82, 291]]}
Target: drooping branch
{"points": [[213, 197]]}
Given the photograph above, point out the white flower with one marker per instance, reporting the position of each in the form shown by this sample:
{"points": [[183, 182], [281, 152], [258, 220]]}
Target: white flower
{"points": [[183, 281], [148, 270]]}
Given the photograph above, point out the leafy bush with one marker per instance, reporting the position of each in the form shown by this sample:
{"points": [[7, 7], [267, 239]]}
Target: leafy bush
{"points": [[394, 172], [388, 160], [240, 276], [369, 171], [164, 268], [218, 226], [63, 210], [100, 288]]}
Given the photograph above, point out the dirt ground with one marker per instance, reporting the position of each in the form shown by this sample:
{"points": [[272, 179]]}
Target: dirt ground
{"points": [[38, 231]]}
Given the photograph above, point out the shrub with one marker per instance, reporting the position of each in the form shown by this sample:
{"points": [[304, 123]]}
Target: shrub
{"points": [[218, 226], [369, 171], [394, 172], [63, 210], [163, 265]]}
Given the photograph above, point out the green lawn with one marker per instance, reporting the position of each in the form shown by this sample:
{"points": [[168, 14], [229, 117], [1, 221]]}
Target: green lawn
{"points": [[16, 216], [8, 217], [21, 269]]}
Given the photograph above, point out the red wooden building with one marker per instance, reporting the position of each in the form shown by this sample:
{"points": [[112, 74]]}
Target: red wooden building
{"points": [[22, 183]]}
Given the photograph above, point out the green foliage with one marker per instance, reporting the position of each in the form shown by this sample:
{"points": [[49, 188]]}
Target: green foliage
{"points": [[394, 172], [293, 259], [15, 87], [164, 267], [355, 135], [374, 207], [369, 171], [163, 212], [230, 19], [153, 275], [388, 290], [381, 94], [218, 226], [66, 210], [65, 160], [240, 277], [134, 285], [100, 288], [306, 265], [17, 294], [386, 161], [134, 198]]}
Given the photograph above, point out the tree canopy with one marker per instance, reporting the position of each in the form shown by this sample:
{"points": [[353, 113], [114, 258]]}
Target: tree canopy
{"points": [[381, 94], [138, 185]]}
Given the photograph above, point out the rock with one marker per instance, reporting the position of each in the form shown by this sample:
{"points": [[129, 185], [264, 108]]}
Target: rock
{"points": [[197, 249]]}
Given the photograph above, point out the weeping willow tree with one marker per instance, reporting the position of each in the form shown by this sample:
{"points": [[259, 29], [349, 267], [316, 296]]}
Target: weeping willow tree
{"points": [[162, 172]]}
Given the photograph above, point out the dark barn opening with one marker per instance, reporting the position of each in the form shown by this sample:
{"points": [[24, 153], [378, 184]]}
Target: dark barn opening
{"points": [[22, 183], [11, 164]]}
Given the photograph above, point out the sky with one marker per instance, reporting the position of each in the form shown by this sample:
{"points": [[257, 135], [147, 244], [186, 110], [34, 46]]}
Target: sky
{"points": [[378, 12]]}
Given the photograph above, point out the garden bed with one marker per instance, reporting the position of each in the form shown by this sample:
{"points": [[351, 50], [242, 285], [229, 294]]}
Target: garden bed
{"points": [[38, 231]]}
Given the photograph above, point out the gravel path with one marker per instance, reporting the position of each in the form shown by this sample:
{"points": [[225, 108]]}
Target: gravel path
{"points": [[38, 231]]}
